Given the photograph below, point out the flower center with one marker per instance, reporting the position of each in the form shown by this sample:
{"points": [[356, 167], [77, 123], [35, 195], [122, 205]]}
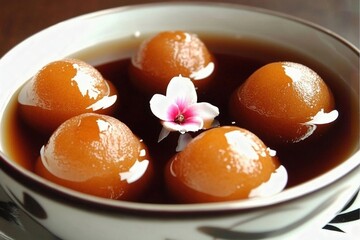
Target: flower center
{"points": [[179, 119]]}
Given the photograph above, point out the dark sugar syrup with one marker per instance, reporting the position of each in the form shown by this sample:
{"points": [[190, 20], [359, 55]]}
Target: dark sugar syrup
{"points": [[236, 60]]}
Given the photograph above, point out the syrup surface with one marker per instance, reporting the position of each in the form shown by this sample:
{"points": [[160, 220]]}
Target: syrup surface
{"points": [[236, 59]]}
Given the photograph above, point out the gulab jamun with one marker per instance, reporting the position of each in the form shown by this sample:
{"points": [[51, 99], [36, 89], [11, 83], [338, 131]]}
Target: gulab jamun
{"points": [[63, 89], [96, 154], [283, 102], [169, 54], [220, 164]]}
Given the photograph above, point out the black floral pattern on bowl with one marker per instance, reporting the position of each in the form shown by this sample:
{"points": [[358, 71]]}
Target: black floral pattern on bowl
{"points": [[10, 212], [344, 216], [30, 205]]}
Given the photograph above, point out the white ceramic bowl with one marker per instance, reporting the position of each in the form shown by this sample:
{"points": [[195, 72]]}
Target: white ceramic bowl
{"points": [[72, 215]]}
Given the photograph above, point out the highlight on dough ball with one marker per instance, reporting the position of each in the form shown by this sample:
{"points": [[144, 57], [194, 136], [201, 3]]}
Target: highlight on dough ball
{"points": [[63, 89], [96, 154], [169, 54], [222, 164], [284, 102]]}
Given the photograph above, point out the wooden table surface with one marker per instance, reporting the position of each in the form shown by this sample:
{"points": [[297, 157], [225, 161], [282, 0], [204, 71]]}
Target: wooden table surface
{"points": [[20, 19]]}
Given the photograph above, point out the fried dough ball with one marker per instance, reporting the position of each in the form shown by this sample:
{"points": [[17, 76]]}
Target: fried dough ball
{"points": [[283, 102], [220, 164], [169, 54], [63, 89], [96, 154]]}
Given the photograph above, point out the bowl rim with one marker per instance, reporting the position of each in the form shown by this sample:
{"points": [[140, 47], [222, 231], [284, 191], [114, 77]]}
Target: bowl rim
{"points": [[67, 196]]}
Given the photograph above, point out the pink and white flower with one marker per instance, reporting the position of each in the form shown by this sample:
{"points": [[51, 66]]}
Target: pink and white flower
{"points": [[179, 109]]}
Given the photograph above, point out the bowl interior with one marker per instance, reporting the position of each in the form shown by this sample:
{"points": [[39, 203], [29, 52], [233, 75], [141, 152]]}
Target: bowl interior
{"points": [[70, 37]]}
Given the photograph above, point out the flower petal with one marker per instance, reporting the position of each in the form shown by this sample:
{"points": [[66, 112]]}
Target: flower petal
{"points": [[163, 134], [183, 141], [204, 110], [160, 106], [181, 89], [171, 126], [192, 124]]}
